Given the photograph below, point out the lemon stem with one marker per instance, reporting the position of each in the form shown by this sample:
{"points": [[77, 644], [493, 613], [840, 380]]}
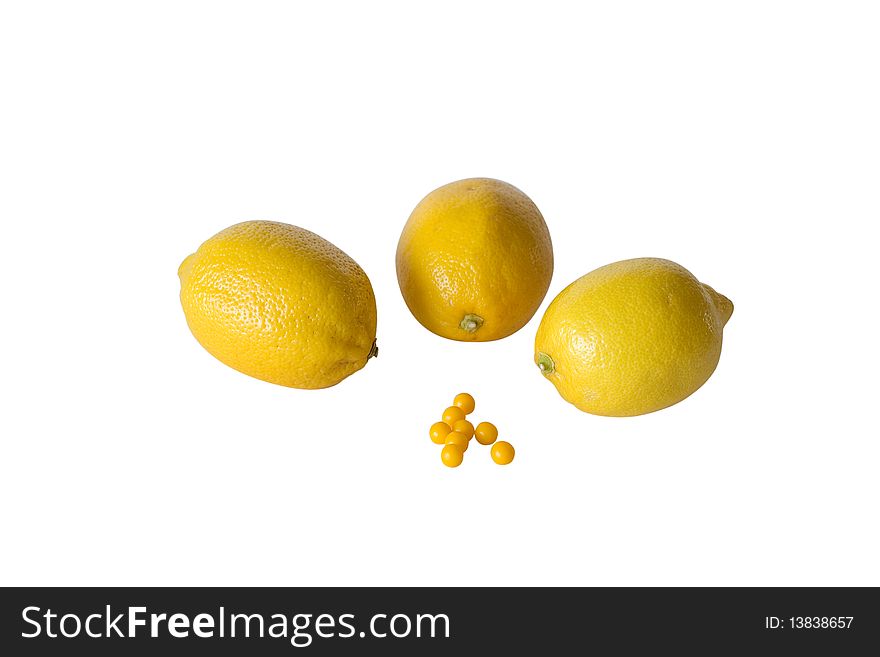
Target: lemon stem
{"points": [[545, 363], [470, 323], [374, 351]]}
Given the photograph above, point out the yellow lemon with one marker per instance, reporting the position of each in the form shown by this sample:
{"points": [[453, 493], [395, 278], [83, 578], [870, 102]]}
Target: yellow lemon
{"points": [[632, 337], [279, 303], [474, 260]]}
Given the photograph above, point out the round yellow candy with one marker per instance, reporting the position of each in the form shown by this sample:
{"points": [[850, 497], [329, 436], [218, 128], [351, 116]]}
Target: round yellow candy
{"points": [[502, 452], [486, 433], [465, 427], [457, 438], [465, 402], [452, 456], [452, 415], [438, 432]]}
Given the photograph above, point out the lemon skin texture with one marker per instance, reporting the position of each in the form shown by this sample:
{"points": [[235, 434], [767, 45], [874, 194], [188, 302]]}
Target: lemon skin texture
{"points": [[632, 337], [280, 304], [475, 260]]}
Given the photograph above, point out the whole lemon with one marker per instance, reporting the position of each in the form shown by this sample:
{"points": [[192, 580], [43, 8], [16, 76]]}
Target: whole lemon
{"points": [[279, 303], [632, 337], [474, 260]]}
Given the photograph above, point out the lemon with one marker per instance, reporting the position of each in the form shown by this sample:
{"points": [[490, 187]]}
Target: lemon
{"points": [[632, 337], [474, 260], [280, 304]]}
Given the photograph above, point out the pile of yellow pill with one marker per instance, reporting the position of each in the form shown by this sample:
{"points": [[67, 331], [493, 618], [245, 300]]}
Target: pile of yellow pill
{"points": [[454, 432]]}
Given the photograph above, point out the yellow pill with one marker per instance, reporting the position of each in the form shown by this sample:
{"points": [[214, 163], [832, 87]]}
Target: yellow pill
{"points": [[452, 415], [502, 452], [456, 438], [486, 433], [438, 432], [465, 427], [465, 402], [452, 455]]}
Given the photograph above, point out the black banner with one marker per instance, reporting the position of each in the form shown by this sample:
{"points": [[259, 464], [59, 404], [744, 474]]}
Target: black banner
{"points": [[422, 621]]}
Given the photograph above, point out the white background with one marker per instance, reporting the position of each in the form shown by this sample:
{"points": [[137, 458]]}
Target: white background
{"points": [[739, 139]]}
